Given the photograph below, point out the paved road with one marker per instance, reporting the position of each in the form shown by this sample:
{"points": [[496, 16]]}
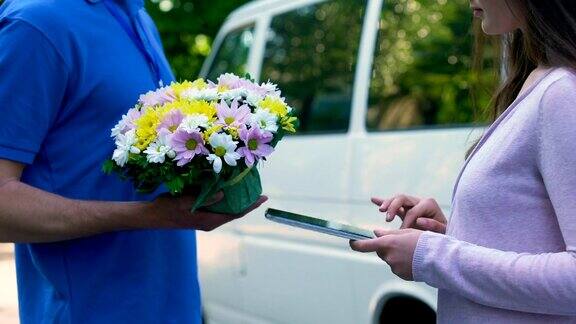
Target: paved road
{"points": [[8, 296]]}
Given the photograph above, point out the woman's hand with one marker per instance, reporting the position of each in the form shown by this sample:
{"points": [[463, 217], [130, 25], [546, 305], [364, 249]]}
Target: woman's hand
{"points": [[394, 247], [424, 214]]}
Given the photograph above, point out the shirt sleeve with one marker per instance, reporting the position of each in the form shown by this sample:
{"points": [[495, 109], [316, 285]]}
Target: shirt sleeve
{"points": [[33, 83], [537, 283]]}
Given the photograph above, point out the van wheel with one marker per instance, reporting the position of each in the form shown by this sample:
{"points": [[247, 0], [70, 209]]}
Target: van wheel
{"points": [[406, 310]]}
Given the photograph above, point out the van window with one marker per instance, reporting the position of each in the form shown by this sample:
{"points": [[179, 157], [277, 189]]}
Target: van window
{"points": [[232, 56], [422, 67], [311, 54]]}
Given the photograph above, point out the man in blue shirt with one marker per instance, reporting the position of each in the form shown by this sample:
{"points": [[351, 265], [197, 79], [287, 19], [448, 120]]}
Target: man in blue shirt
{"points": [[90, 249]]}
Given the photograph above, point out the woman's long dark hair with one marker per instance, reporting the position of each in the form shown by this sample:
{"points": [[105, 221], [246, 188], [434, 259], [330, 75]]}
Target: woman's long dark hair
{"points": [[547, 39]]}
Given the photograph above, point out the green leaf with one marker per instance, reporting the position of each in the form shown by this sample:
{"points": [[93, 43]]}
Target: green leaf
{"points": [[176, 185], [109, 166], [248, 77]]}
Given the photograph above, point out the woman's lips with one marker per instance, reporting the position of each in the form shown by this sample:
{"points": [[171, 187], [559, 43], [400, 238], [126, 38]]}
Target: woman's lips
{"points": [[478, 12]]}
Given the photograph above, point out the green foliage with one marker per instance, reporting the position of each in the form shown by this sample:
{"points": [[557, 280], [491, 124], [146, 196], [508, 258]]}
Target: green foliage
{"points": [[109, 167], [424, 60], [188, 28]]}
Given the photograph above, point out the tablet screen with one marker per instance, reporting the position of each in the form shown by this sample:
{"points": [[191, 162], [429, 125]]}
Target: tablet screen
{"points": [[318, 225]]}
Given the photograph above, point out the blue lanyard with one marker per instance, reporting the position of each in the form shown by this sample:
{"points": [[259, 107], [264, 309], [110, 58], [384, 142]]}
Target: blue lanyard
{"points": [[134, 36]]}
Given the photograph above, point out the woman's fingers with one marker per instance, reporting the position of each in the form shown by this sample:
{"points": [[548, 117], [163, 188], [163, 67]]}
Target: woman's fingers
{"points": [[381, 203], [399, 202], [377, 201], [398, 205], [426, 208], [367, 246], [379, 232], [412, 215], [429, 224]]}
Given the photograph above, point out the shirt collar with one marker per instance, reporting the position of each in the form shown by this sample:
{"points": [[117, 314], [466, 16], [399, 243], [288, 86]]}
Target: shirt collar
{"points": [[131, 5]]}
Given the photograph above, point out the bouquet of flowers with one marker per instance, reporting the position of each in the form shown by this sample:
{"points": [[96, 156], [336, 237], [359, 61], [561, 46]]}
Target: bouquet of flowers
{"points": [[202, 137]]}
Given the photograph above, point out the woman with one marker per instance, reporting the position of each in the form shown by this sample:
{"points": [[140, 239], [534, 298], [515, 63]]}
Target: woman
{"points": [[508, 254]]}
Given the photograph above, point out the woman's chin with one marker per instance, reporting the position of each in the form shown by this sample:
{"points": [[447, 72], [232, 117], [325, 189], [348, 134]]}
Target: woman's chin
{"points": [[492, 30]]}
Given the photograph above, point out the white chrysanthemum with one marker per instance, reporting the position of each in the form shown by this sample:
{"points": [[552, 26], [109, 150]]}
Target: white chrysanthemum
{"points": [[265, 120], [270, 88], [158, 150], [208, 94], [233, 94], [125, 146], [222, 147], [117, 130], [192, 123], [253, 98]]}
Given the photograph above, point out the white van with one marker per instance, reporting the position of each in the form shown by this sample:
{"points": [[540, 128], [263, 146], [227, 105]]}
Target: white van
{"points": [[381, 88]]}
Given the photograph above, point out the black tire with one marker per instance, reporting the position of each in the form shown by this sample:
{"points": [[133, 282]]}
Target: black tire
{"points": [[406, 310]]}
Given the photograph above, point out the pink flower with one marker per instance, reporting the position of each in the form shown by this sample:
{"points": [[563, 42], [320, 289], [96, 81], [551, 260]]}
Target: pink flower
{"points": [[126, 123], [171, 121], [256, 144], [253, 87], [187, 146], [158, 97], [233, 115], [131, 117], [230, 81]]}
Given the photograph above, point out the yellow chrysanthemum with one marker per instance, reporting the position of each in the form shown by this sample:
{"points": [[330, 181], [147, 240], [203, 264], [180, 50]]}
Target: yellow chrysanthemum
{"points": [[199, 107], [288, 124], [146, 128], [211, 130], [233, 131], [179, 87], [189, 108], [165, 109], [199, 84], [275, 105]]}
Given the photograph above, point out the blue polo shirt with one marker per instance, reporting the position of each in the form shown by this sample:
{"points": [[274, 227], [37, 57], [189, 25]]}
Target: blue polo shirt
{"points": [[68, 71]]}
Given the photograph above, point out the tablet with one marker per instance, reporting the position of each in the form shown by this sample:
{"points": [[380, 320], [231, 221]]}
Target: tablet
{"points": [[318, 225]]}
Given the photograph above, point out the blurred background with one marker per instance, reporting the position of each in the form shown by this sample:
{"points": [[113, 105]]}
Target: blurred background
{"points": [[423, 76], [188, 28]]}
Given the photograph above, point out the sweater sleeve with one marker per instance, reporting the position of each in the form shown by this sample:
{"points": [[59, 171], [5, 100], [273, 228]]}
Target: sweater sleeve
{"points": [[538, 283]]}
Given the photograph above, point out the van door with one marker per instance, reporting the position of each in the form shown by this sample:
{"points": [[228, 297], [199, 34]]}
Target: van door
{"points": [[295, 276], [219, 251], [417, 124]]}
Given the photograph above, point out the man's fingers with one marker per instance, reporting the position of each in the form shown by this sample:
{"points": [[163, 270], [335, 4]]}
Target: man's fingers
{"points": [[207, 221], [214, 199], [429, 224], [257, 204]]}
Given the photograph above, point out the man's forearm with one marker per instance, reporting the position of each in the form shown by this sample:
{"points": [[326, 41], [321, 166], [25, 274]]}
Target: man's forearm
{"points": [[29, 215]]}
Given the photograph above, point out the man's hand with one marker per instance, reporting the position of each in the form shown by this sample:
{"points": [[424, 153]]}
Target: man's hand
{"points": [[28, 214], [10, 171], [168, 212], [424, 214], [394, 247]]}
